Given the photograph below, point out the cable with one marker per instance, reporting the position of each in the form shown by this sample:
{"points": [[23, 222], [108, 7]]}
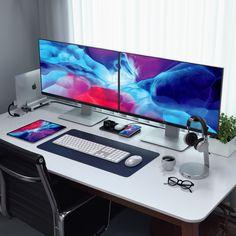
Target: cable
{"points": [[9, 111], [17, 111]]}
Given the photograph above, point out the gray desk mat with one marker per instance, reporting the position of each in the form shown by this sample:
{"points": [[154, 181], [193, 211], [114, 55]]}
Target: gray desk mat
{"points": [[116, 168]]}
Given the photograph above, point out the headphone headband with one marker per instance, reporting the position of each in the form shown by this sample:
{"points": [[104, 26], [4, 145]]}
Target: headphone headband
{"points": [[199, 119]]}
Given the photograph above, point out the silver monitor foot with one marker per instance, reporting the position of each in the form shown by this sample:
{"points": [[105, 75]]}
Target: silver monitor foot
{"points": [[170, 137], [84, 116]]}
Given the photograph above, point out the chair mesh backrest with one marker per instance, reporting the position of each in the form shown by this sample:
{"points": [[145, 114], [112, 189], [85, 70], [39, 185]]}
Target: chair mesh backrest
{"points": [[25, 200]]}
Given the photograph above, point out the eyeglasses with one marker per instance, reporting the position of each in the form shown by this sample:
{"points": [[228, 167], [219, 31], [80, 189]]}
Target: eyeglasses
{"points": [[184, 184]]}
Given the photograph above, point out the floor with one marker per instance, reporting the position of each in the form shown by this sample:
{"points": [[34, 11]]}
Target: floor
{"points": [[14, 227], [127, 223]]}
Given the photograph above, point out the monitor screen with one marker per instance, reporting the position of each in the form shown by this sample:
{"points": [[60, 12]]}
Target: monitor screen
{"points": [[79, 73], [170, 91]]}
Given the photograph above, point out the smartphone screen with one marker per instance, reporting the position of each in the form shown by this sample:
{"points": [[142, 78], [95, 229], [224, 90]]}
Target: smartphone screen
{"points": [[130, 130]]}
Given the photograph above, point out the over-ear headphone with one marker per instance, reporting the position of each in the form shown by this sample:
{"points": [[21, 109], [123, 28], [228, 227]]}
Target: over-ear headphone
{"points": [[191, 138]]}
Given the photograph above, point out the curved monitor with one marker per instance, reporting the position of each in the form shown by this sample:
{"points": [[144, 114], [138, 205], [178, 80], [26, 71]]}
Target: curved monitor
{"points": [[79, 73], [169, 91]]}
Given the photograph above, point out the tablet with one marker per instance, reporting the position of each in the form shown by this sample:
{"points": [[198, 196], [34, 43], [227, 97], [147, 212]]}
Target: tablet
{"points": [[36, 131]]}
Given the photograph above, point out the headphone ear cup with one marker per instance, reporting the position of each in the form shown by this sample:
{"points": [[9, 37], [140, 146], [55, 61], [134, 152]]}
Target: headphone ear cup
{"points": [[191, 138], [200, 145]]}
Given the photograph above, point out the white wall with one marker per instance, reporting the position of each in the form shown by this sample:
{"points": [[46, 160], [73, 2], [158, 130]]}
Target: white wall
{"points": [[19, 31]]}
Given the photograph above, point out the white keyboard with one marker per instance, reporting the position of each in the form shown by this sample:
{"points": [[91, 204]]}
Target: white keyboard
{"points": [[92, 148]]}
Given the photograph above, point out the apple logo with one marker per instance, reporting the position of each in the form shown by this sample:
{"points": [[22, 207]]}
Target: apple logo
{"points": [[34, 86]]}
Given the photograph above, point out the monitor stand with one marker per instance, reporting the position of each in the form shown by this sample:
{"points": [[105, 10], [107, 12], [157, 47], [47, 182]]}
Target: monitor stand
{"points": [[170, 137], [84, 116]]}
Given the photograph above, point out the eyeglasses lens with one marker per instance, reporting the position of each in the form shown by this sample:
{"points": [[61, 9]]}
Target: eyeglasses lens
{"points": [[172, 181], [186, 184]]}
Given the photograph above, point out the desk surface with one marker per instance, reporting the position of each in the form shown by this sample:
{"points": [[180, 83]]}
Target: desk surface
{"points": [[146, 187]]}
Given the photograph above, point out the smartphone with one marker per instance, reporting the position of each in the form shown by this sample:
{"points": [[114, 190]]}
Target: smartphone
{"points": [[130, 130]]}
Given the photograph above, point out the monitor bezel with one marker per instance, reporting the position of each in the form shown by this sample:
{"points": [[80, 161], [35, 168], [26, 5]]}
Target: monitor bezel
{"points": [[75, 100], [169, 123]]}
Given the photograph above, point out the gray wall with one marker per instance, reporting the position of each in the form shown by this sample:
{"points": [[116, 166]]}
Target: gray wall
{"points": [[19, 31], [55, 20]]}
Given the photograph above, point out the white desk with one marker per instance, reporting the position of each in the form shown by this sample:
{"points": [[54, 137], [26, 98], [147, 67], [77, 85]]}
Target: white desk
{"points": [[144, 190]]}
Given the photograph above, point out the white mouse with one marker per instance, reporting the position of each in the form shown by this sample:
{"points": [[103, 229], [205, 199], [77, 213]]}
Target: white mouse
{"points": [[133, 160], [119, 127]]}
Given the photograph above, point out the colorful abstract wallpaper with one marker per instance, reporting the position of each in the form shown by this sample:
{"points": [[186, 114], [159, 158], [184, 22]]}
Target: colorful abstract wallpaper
{"points": [[37, 130], [170, 91], [80, 73]]}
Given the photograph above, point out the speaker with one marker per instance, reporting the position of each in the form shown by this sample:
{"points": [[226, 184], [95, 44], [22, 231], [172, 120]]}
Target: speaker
{"points": [[191, 138]]}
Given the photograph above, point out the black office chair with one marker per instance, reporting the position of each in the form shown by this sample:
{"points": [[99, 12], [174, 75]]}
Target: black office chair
{"points": [[48, 203]]}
